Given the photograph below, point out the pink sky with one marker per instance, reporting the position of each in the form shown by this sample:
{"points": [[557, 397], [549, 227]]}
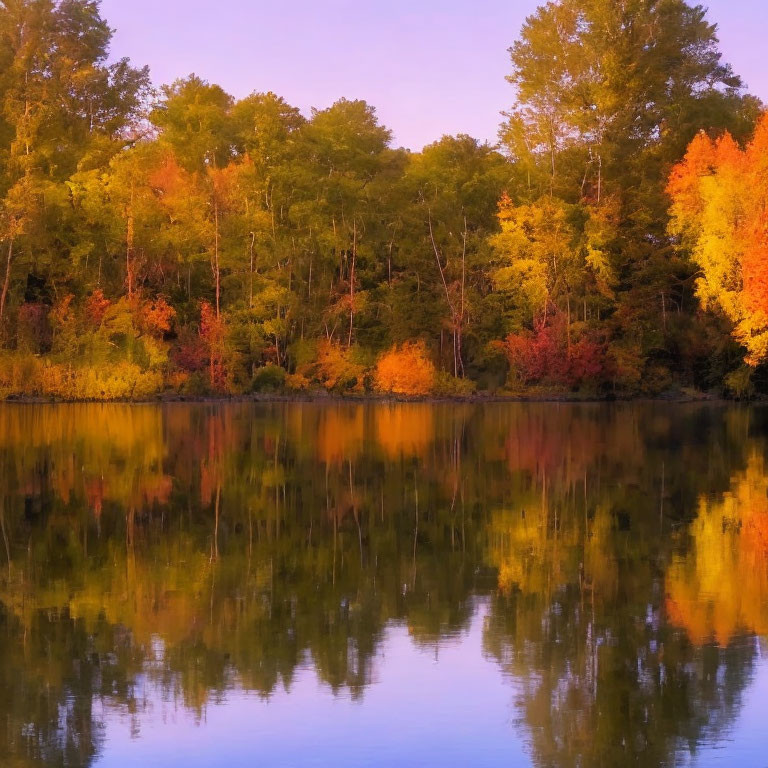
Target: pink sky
{"points": [[430, 67]]}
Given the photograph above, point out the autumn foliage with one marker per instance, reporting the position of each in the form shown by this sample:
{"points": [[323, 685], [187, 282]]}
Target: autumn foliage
{"points": [[545, 356], [720, 588], [333, 366], [96, 306], [405, 370], [720, 212], [210, 240], [213, 336], [155, 317]]}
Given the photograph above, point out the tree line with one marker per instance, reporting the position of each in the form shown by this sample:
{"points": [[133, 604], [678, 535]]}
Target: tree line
{"points": [[178, 239]]}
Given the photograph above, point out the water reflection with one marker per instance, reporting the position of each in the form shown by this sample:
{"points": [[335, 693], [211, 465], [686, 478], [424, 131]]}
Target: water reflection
{"points": [[615, 557]]}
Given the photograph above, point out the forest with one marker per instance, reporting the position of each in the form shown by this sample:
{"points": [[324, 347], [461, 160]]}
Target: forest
{"points": [[177, 241]]}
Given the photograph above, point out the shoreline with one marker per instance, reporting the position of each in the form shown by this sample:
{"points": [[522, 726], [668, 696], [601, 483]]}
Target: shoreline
{"points": [[672, 398]]}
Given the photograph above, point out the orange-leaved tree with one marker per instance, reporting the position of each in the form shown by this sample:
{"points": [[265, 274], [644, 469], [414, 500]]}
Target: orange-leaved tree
{"points": [[213, 335], [720, 213], [405, 370]]}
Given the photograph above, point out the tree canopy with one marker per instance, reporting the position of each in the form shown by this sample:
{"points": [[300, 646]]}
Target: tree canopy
{"points": [[296, 251]]}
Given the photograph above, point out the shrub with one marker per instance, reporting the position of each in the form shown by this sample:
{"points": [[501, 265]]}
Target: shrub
{"points": [[154, 352], [64, 325], [196, 384], [96, 306], [123, 381], [543, 356], [336, 367], [177, 381], [268, 378], [297, 382], [302, 353], [448, 385], [405, 370], [118, 327], [19, 375], [190, 352], [628, 366], [155, 317], [739, 383], [536, 357]]}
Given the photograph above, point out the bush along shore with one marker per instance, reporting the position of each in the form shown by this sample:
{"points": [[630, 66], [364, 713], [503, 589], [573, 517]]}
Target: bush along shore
{"points": [[175, 242], [33, 380]]}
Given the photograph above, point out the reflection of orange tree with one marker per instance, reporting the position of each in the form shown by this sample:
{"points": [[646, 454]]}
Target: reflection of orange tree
{"points": [[577, 623], [340, 433], [720, 587], [562, 443], [404, 430]]}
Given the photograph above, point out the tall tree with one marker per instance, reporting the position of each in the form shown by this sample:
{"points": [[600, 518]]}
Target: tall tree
{"points": [[194, 118], [453, 186], [63, 107], [608, 96], [345, 149]]}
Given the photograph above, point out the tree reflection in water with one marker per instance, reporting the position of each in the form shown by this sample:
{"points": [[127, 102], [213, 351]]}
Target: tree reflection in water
{"points": [[203, 548]]}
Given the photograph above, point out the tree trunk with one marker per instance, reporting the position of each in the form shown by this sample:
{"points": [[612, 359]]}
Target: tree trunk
{"points": [[455, 319], [129, 242], [216, 272], [352, 284], [7, 280], [455, 356], [460, 330], [250, 293]]}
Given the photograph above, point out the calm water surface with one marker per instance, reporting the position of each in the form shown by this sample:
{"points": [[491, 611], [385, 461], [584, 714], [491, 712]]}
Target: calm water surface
{"points": [[383, 585]]}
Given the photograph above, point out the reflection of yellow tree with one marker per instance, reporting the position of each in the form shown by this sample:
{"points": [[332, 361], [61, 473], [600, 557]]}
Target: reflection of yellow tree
{"points": [[94, 452], [536, 551], [720, 588]]}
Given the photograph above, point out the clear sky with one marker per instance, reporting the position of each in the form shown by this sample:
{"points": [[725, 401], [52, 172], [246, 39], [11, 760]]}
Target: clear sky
{"points": [[430, 67]]}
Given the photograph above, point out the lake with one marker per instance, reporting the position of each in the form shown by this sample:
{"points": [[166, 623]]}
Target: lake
{"points": [[344, 584]]}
